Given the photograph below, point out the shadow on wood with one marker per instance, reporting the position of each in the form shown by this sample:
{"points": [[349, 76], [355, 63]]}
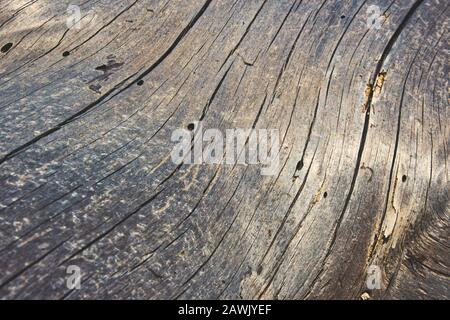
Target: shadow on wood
{"points": [[92, 92]]}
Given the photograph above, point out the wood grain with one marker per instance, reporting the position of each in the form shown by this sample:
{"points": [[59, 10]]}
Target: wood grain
{"points": [[86, 178]]}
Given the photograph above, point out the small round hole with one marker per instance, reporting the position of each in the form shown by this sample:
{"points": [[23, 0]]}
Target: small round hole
{"points": [[260, 270], [6, 47], [404, 178], [342, 17], [299, 165], [191, 126], [140, 82], [325, 195], [66, 53]]}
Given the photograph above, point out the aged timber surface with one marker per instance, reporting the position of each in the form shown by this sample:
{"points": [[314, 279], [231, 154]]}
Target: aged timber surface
{"points": [[86, 179]]}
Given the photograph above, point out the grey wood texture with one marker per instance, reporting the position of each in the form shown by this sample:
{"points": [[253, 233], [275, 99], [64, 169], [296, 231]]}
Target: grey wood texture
{"points": [[86, 178]]}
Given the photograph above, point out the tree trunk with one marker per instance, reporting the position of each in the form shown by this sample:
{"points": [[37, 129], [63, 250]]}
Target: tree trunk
{"points": [[358, 206]]}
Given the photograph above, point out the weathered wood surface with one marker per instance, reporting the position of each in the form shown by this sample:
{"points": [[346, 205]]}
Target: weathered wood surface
{"points": [[86, 177]]}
